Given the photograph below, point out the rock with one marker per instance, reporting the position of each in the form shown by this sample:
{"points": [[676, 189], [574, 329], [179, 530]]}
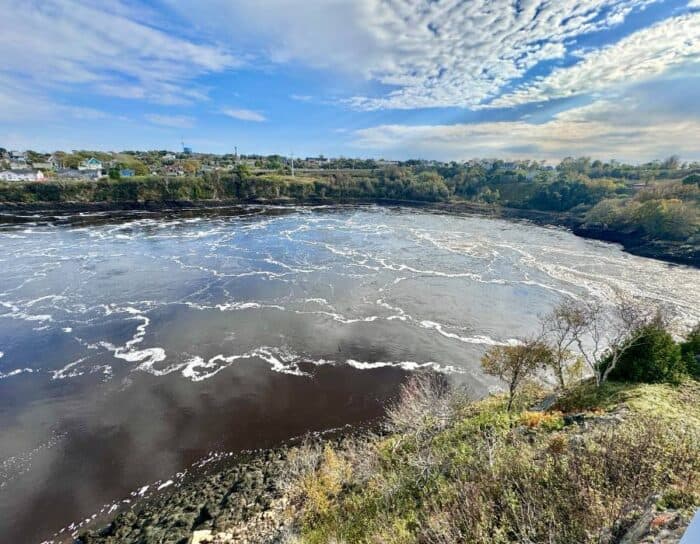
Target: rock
{"points": [[546, 403], [202, 537]]}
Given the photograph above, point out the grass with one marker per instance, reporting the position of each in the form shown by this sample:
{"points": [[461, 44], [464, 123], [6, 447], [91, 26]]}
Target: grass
{"points": [[672, 402], [450, 470]]}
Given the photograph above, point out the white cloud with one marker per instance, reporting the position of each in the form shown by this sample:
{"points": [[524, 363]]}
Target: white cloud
{"points": [[634, 129], [102, 46], [645, 54], [244, 115], [447, 53], [175, 121]]}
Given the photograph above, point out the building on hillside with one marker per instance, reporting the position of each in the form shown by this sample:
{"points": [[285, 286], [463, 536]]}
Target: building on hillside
{"points": [[91, 164], [168, 158], [55, 161], [42, 166], [18, 157], [127, 173], [22, 175], [83, 175]]}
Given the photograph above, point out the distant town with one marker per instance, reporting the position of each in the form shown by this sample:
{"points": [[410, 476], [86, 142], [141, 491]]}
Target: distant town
{"points": [[32, 166]]}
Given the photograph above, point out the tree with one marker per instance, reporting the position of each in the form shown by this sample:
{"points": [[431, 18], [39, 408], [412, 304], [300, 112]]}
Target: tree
{"points": [[603, 335], [653, 357], [191, 166], [561, 327], [515, 364], [690, 351], [243, 171], [672, 163]]}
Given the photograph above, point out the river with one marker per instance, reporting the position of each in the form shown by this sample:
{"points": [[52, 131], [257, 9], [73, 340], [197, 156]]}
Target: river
{"points": [[135, 347]]}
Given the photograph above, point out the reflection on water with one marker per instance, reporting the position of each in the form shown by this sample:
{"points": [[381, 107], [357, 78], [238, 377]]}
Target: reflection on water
{"points": [[131, 347]]}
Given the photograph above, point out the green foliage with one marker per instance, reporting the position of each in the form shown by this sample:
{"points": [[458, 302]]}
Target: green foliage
{"points": [[564, 194], [653, 356], [664, 211], [692, 179], [516, 364], [690, 351]]}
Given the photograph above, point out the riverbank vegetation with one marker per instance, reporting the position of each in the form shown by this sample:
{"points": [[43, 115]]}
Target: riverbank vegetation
{"points": [[600, 461], [454, 471]]}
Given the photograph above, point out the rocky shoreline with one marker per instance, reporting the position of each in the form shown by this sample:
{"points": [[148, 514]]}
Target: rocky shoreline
{"points": [[246, 501], [244, 495], [632, 242]]}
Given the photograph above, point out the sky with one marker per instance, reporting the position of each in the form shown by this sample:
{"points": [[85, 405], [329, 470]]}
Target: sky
{"points": [[394, 79]]}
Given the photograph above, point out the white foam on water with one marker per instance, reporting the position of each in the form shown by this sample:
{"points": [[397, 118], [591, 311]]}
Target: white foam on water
{"points": [[409, 366], [477, 339], [164, 485], [16, 372]]}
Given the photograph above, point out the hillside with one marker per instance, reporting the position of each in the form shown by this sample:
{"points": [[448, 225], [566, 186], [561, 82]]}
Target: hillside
{"points": [[615, 464]]}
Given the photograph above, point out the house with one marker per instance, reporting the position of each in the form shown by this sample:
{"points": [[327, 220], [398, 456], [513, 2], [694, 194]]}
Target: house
{"points": [[22, 175], [91, 164], [56, 161], [84, 175], [18, 157], [42, 166], [168, 158], [126, 173]]}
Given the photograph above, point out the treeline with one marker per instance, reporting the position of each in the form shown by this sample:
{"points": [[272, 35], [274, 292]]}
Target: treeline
{"points": [[240, 186]]}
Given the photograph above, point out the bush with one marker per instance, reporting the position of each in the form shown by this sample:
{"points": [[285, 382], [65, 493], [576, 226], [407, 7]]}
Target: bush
{"points": [[652, 357], [690, 351]]}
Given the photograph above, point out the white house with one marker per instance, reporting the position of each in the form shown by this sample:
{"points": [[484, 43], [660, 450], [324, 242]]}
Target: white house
{"points": [[21, 175], [85, 175], [56, 161], [18, 156]]}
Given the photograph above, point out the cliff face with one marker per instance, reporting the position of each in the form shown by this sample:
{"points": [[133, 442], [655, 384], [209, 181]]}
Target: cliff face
{"points": [[616, 464]]}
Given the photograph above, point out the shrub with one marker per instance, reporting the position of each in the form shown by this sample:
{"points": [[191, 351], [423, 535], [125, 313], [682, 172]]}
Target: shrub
{"points": [[690, 351], [548, 421], [652, 358]]}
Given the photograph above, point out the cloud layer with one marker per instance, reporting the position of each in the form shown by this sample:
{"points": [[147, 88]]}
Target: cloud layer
{"points": [[67, 60], [429, 54], [104, 48], [633, 128], [670, 44]]}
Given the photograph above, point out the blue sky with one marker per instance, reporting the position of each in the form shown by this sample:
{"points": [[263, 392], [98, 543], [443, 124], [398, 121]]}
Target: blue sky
{"points": [[443, 79]]}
